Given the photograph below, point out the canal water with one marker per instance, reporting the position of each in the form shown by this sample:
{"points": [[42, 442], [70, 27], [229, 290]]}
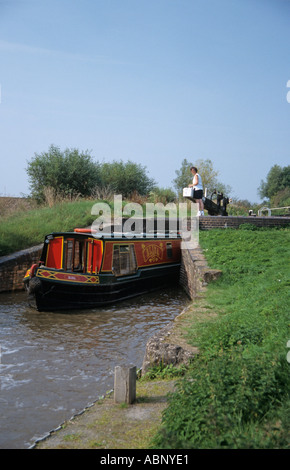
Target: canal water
{"points": [[53, 365]]}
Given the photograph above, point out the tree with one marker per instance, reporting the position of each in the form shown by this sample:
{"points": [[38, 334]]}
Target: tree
{"points": [[183, 177], [281, 198], [126, 178], [277, 179], [69, 173], [206, 171], [72, 172]]}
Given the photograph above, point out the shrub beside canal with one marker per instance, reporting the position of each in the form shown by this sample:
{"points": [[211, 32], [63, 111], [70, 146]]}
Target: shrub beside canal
{"points": [[235, 394]]}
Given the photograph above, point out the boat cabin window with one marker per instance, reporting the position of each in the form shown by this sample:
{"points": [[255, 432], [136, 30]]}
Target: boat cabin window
{"points": [[169, 250], [83, 255], [124, 260], [78, 262], [74, 255]]}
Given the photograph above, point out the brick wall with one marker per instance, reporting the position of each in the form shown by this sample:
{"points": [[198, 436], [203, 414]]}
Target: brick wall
{"points": [[208, 222], [194, 272], [13, 267]]}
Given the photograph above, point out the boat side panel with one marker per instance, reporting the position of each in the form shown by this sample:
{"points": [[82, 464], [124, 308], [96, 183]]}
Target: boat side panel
{"points": [[148, 252], [54, 255]]}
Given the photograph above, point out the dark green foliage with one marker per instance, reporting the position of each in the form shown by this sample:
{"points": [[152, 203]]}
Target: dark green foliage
{"points": [[277, 179], [225, 403], [72, 173], [126, 178], [69, 173], [281, 199]]}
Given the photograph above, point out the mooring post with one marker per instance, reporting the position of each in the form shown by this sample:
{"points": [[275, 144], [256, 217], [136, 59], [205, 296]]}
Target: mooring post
{"points": [[125, 384]]}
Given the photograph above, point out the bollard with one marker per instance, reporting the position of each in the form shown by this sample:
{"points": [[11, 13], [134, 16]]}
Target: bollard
{"points": [[125, 384]]}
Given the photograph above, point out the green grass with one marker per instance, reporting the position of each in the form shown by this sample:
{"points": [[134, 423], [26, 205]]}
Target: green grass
{"points": [[236, 393], [23, 229]]}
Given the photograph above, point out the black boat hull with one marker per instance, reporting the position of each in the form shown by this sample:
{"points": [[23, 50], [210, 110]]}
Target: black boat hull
{"points": [[48, 295]]}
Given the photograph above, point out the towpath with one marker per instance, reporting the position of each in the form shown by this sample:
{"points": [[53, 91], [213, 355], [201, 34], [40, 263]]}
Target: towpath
{"points": [[107, 425]]}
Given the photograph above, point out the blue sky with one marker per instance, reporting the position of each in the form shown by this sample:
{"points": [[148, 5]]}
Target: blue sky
{"points": [[152, 81]]}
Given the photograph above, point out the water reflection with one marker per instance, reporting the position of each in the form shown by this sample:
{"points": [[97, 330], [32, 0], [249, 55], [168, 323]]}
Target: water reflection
{"points": [[55, 364]]}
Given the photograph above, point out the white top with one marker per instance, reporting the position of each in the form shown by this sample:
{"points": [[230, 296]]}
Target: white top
{"points": [[199, 184]]}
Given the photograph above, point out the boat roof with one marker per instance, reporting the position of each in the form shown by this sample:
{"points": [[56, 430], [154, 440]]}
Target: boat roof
{"points": [[116, 235]]}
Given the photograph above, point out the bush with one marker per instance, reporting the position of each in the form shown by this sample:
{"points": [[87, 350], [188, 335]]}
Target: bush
{"points": [[126, 178], [67, 174], [221, 403], [56, 175]]}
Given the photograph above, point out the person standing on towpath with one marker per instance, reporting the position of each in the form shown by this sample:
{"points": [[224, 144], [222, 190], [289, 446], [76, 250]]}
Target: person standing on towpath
{"points": [[198, 189]]}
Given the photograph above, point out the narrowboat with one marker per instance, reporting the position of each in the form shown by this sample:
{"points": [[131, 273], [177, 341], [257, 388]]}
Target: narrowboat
{"points": [[78, 270]]}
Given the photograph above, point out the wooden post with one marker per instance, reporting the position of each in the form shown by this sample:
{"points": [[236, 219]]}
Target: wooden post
{"points": [[125, 384]]}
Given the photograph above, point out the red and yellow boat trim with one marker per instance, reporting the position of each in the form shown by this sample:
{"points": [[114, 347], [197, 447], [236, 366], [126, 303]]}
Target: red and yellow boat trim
{"points": [[67, 277]]}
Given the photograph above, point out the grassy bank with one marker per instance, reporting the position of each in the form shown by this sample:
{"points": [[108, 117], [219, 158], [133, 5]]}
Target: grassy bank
{"points": [[24, 224], [236, 393], [25, 228]]}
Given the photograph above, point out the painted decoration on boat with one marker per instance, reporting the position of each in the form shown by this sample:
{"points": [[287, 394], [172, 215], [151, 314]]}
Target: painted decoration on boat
{"points": [[152, 253]]}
